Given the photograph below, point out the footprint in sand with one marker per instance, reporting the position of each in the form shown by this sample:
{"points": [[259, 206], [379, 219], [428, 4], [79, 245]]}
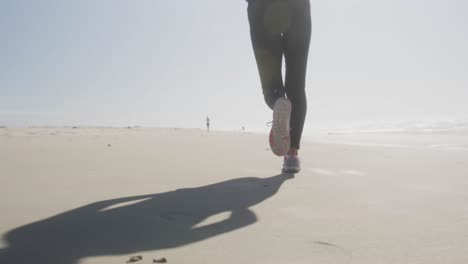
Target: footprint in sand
{"points": [[325, 252]]}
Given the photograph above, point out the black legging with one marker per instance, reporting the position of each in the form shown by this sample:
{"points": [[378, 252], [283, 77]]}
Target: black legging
{"points": [[277, 28]]}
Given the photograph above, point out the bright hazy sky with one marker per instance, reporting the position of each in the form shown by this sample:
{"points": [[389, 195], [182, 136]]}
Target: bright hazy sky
{"points": [[172, 63]]}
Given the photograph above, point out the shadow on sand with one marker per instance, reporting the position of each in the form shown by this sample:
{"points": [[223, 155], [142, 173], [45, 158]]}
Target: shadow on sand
{"points": [[146, 222]]}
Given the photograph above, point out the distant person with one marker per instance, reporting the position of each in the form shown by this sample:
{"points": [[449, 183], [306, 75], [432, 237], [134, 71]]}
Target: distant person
{"points": [[207, 124], [282, 28]]}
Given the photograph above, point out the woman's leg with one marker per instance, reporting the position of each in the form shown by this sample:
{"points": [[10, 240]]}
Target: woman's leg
{"points": [[296, 44], [267, 42]]}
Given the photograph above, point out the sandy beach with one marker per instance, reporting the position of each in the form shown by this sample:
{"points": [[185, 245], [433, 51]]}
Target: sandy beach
{"points": [[104, 195]]}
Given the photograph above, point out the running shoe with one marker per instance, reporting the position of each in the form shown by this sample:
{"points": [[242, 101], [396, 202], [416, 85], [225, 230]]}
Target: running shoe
{"points": [[292, 164], [279, 133]]}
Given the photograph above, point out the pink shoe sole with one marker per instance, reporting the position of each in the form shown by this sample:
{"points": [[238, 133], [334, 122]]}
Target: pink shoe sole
{"points": [[279, 133]]}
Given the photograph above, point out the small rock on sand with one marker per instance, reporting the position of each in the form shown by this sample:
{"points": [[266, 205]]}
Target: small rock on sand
{"points": [[161, 260], [134, 259]]}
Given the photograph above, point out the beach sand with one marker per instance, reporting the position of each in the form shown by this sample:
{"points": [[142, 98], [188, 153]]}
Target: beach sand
{"points": [[103, 195]]}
